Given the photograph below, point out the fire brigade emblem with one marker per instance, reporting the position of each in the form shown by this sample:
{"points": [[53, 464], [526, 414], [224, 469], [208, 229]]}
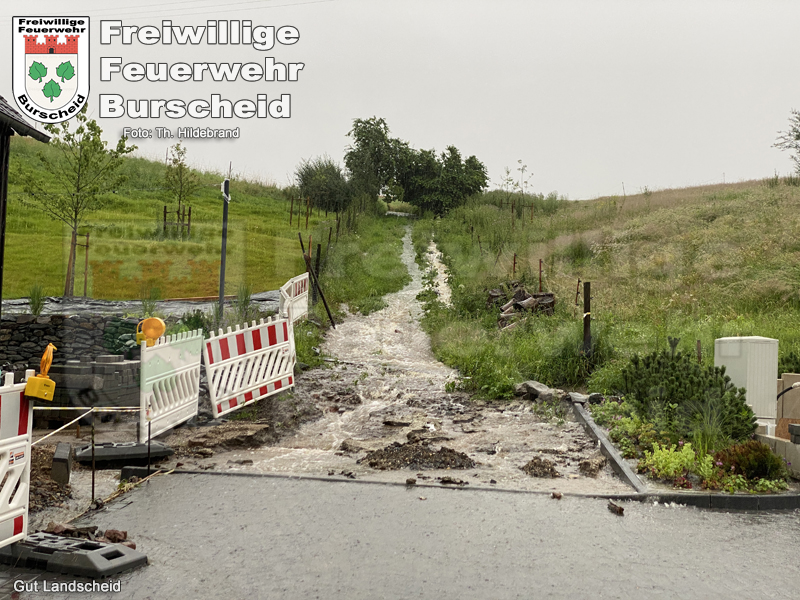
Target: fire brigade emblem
{"points": [[51, 66]]}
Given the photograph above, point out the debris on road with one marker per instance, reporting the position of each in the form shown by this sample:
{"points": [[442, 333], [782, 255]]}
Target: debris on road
{"points": [[592, 465], [616, 508], [540, 467], [416, 455]]}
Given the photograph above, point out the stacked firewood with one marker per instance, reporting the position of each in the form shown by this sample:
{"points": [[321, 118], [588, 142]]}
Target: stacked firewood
{"points": [[522, 303]]}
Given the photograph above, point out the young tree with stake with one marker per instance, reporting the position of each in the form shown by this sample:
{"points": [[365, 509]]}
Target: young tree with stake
{"points": [[82, 171]]}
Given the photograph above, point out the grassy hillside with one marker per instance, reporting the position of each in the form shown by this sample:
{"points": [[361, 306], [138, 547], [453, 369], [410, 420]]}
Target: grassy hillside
{"points": [[695, 263], [129, 255]]}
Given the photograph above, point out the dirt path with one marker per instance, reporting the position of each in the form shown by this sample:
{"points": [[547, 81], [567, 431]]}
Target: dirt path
{"points": [[388, 388]]}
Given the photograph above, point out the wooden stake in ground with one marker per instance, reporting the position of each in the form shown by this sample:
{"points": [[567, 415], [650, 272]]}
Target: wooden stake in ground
{"points": [[308, 207], [291, 212], [587, 318], [314, 280], [540, 275], [316, 266], [514, 267]]}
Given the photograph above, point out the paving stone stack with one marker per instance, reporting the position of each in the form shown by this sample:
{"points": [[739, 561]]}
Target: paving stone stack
{"points": [[108, 381], [794, 433], [23, 338]]}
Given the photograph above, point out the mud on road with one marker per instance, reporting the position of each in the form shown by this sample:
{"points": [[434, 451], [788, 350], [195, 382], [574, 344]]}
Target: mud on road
{"points": [[381, 413]]}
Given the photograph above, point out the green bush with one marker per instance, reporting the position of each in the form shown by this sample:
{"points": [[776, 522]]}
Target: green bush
{"points": [[567, 363], [753, 460], [668, 463], [682, 398], [578, 252]]}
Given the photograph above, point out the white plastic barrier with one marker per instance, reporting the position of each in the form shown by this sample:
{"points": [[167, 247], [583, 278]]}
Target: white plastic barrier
{"points": [[16, 419], [244, 366], [170, 382], [294, 298]]}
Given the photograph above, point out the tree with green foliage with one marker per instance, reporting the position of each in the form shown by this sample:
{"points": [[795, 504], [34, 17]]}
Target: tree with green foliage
{"points": [[323, 181], [180, 181], [81, 170], [440, 183], [790, 140], [381, 164], [371, 159]]}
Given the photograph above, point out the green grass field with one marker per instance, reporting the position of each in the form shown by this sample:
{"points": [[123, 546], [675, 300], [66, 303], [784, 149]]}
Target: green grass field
{"points": [[129, 253], [696, 263]]}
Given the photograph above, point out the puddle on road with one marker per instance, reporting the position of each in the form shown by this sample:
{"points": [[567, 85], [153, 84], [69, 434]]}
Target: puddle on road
{"points": [[388, 387]]}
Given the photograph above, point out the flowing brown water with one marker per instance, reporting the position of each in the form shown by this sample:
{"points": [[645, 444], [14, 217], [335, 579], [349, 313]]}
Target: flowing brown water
{"points": [[387, 386]]}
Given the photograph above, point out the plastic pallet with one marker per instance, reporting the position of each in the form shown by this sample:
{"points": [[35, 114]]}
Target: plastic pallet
{"points": [[71, 556], [127, 452]]}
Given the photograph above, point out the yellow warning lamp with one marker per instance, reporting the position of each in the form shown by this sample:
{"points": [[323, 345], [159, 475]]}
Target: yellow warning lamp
{"points": [[41, 386], [150, 330]]}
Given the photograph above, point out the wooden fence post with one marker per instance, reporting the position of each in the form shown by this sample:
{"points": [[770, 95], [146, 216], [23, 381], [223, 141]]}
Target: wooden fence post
{"points": [[587, 318], [86, 268]]}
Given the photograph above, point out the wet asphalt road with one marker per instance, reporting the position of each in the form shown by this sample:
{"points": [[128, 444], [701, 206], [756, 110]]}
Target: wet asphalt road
{"points": [[246, 538]]}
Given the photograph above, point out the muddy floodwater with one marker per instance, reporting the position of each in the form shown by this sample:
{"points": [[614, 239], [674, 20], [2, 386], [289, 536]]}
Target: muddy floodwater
{"points": [[386, 387]]}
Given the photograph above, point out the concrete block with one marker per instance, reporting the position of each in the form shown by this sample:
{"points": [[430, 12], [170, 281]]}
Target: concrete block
{"points": [[62, 463], [698, 500], [78, 382], [734, 502], [794, 429], [71, 369], [770, 441], [110, 358], [779, 502]]}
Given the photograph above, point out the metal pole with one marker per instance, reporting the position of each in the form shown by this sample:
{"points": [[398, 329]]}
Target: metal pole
{"points": [[92, 417], [86, 268], [149, 423], [5, 137], [227, 198], [587, 318]]}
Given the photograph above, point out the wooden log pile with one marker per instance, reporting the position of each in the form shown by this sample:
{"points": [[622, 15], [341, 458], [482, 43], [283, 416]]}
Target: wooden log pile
{"points": [[522, 303]]}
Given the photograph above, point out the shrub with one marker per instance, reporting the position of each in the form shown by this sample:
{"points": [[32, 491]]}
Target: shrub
{"points": [[37, 299], [752, 460], [567, 363], [578, 252], [668, 463], [683, 398]]}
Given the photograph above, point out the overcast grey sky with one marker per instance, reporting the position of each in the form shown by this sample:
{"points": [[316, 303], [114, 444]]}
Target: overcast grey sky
{"points": [[589, 94]]}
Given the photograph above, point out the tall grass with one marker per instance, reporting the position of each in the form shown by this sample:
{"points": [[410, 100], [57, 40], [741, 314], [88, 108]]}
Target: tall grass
{"points": [[366, 265], [694, 263]]}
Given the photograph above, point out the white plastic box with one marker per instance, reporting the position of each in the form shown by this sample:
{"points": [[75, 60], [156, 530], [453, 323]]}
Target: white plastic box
{"points": [[752, 363]]}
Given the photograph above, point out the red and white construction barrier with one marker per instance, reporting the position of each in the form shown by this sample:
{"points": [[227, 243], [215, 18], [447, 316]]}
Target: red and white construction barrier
{"points": [[246, 365], [294, 298], [169, 387], [16, 419]]}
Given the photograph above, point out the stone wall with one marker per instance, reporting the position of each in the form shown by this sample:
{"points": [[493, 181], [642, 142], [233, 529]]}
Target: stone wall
{"points": [[23, 338]]}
